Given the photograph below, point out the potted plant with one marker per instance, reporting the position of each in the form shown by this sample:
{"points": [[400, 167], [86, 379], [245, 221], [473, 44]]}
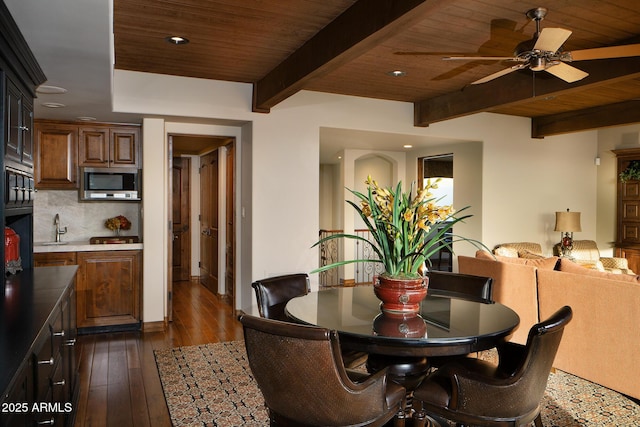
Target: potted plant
{"points": [[407, 228], [632, 172]]}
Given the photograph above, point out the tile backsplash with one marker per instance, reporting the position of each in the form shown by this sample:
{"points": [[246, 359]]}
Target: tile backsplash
{"points": [[82, 219]]}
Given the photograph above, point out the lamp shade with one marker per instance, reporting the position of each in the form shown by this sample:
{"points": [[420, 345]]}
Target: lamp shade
{"points": [[568, 221]]}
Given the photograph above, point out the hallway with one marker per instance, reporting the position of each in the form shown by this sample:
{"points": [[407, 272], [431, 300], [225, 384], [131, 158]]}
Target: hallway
{"points": [[119, 382]]}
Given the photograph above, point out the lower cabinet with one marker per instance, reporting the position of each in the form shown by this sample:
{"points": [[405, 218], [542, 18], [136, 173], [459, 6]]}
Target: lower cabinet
{"points": [[45, 388], [108, 288]]}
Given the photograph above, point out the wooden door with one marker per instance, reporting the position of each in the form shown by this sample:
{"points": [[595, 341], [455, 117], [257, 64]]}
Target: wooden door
{"points": [[229, 221], [209, 221], [181, 222]]}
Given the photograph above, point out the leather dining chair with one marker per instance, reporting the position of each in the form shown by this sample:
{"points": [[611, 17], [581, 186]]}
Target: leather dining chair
{"points": [[274, 293], [475, 392], [464, 286], [300, 372]]}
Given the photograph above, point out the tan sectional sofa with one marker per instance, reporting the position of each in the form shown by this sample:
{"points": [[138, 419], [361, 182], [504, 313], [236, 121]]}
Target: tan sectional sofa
{"points": [[602, 342]]}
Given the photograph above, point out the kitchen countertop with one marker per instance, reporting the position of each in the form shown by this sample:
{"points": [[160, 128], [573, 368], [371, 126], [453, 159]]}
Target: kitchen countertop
{"points": [[84, 246]]}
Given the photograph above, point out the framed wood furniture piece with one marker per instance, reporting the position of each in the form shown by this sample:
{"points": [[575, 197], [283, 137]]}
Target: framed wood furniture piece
{"points": [[628, 210]]}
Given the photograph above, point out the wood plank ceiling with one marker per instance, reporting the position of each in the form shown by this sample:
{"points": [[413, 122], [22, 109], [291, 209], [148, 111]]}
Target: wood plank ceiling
{"points": [[348, 47]]}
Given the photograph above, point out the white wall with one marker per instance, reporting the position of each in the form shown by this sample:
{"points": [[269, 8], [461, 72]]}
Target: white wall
{"points": [[524, 181]]}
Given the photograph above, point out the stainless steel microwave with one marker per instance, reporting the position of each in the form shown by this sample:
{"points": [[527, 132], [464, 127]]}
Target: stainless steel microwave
{"points": [[112, 184]]}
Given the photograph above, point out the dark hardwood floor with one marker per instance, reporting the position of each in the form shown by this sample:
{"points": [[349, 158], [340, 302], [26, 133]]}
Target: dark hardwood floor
{"points": [[119, 382]]}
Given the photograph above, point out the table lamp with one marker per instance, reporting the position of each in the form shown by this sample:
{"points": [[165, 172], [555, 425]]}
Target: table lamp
{"points": [[566, 223]]}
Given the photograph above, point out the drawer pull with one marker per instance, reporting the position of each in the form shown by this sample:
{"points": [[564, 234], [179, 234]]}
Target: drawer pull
{"points": [[58, 334], [61, 382], [71, 342], [48, 422], [46, 362]]}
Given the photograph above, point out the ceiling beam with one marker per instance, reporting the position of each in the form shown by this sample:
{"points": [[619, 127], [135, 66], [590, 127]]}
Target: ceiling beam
{"points": [[621, 113], [361, 27], [519, 87]]}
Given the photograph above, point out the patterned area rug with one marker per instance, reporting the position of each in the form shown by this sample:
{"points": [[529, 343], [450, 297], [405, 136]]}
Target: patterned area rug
{"points": [[212, 385]]}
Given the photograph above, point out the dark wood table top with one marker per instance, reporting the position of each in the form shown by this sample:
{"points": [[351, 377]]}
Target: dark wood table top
{"points": [[445, 326]]}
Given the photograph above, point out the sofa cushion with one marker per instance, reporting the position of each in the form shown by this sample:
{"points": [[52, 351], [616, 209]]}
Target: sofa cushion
{"points": [[542, 263], [569, 266]]}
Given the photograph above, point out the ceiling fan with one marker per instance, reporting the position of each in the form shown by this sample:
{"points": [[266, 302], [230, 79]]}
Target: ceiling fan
{"points": [[543, 53]]}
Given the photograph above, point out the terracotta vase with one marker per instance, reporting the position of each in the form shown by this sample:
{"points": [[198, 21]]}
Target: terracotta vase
{"points": [[408, 325], [400, 296]]}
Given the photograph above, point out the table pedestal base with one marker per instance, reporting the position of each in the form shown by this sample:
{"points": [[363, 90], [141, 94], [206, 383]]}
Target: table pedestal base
{"points": [[409, 373]]}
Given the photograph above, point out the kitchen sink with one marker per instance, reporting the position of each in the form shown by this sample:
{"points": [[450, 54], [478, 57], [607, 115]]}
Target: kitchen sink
{"points": [[53, 243]]}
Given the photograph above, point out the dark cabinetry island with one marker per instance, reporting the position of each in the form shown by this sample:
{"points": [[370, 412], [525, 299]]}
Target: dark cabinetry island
{"points": [[38, 360]]}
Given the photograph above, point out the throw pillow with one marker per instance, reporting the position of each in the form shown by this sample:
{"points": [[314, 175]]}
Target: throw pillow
{"points": [[504, 251], [569, 266], [541, 263], [530, 255]]}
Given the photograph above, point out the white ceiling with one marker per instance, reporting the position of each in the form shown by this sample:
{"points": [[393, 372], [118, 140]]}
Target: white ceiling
{"points": [[72, 41]]}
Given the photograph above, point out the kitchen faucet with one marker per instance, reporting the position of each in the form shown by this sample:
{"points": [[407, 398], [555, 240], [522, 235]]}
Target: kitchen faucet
{"points": [[59, 231]]}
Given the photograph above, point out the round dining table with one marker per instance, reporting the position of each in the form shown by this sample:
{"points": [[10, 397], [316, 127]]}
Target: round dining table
{"points": [[445, 326]]}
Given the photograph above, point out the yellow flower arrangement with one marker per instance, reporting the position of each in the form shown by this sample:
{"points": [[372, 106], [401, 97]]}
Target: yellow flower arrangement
{"points": [[402, 226]]}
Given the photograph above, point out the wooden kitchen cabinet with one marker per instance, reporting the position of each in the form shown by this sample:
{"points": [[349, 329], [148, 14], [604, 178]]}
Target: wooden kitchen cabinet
{"points": [[108, 288], [61, 148], [109, 146], [56, 156], [46, 259]]}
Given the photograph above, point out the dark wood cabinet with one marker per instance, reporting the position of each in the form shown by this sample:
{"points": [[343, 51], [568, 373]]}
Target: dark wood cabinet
{"points": [[61, 148], [19, 120], [40, 376], [108, 288], [47, 259], [628, 211], [56, 156], [116, 146]]}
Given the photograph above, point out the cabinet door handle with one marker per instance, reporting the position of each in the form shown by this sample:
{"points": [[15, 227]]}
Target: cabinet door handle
{"points": [[49, 422], [58, 334], [61, 382], [71, 342], [46, 362], [23, 128]]}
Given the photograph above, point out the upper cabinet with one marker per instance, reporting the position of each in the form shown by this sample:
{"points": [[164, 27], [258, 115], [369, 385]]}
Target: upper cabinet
{"points": [[56, 159], [117, 146], [63, 147], [19, 119]]}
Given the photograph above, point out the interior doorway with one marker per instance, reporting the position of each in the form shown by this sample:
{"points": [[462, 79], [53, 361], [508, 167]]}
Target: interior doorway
{"points": [[439, 167], [202, 212]]}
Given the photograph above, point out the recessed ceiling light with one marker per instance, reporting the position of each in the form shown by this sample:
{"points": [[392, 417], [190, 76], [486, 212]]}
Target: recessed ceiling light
{"points": [[397, 73], [86, 119], [408, 146], [176, 40], [53, 105], [50, 89]]}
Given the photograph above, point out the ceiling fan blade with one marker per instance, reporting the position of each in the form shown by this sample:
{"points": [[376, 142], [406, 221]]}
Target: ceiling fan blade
{"points": [[480, 58], [550, 39], [566, 72], [605, 52], [499, 74]]}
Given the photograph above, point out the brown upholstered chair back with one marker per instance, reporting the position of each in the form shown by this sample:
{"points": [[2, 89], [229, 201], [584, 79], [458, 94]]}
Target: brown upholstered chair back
{"points": [[273, 293], [464, 286], [300, 373], [477, 393]]}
